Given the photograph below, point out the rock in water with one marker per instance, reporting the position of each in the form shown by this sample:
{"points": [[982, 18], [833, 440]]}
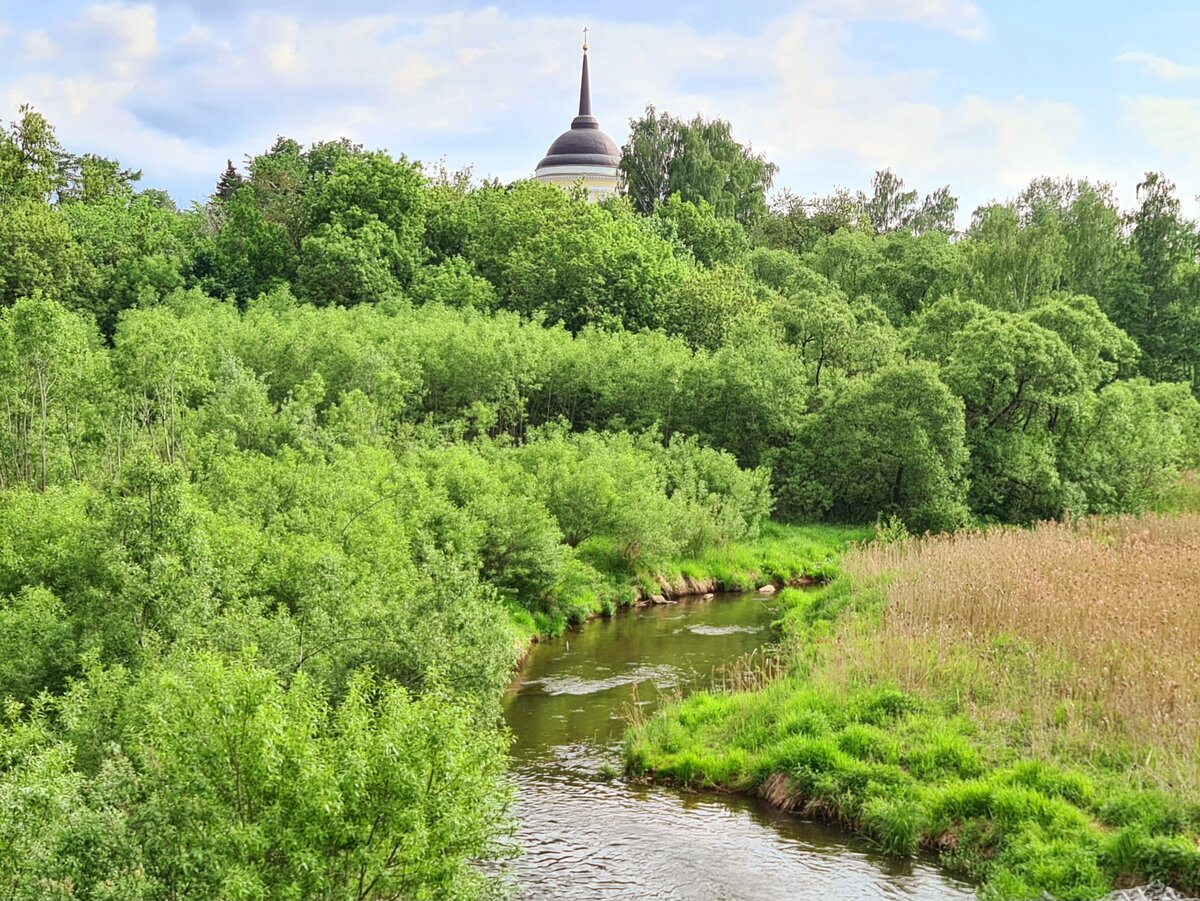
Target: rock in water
{"points": [[1156, 891]]}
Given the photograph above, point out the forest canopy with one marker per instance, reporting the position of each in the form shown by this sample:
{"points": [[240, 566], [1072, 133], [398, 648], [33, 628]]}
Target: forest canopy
{"points": [[287, 477]]}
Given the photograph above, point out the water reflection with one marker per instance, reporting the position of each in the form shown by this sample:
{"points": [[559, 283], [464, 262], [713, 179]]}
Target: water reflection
{"points": [[588, 837]]}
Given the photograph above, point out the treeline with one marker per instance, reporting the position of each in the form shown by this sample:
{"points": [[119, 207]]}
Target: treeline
{"points": [[873, 361], [286, 478]]}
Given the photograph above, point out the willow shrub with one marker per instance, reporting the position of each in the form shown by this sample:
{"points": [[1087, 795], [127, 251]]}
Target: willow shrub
{"points": [[211, 778]]}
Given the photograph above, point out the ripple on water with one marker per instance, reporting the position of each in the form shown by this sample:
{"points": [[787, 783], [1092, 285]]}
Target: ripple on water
{"points": [[702, 629], [590, 839], [585, 838], [662, 675]]}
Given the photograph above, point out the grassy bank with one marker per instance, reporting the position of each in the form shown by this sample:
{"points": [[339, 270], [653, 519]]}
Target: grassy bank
{"points": [[780, 555], [1025, 704]]}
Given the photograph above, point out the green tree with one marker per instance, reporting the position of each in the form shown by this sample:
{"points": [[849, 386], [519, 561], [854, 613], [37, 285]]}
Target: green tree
{"points": [[891, 208], [38, 256], [795, 223], [698, 159], [711, 305], [891, 443], [1159, 310], [1127, 445], [32, 162], [1013, 263], [348, 267], [229, 182], [220, 781], [1020, 385], [710, 239], [53, 375]]}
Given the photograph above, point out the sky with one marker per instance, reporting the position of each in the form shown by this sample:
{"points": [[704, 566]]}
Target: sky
{"points": [[983, 96]]}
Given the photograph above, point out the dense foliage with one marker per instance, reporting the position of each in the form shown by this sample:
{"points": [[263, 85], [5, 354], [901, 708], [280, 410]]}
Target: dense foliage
{"points": [[286, 477]]}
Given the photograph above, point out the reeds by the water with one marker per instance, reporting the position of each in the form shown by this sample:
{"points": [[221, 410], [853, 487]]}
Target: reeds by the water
{"points": [[750, 672], [1081, 635]]}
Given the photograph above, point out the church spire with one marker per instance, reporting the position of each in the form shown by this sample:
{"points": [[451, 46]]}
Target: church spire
{"points": [[584, 154], [585, 87]]}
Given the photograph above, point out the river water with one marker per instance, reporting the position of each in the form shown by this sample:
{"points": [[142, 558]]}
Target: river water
{"points": [[587, 835]]}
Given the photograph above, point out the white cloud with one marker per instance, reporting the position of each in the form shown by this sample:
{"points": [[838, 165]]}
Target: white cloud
{"points": [[95, 114], [1017, 139], [836, 109], [959, 17], [38, 47], [5, 30], [133, 29], [1170, 124], [282, 54], [1159, 66], [494, 88]]}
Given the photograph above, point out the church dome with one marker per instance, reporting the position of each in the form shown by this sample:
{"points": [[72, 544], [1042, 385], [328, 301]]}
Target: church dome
{"points": [[584, 154], [584, 145]]}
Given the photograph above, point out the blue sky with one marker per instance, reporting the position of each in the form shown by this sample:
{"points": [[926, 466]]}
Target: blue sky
{"points": [[983, 96]]}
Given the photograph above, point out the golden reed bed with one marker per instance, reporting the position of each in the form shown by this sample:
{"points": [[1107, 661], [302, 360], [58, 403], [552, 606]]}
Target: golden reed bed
{"points": [[1083, 636]]}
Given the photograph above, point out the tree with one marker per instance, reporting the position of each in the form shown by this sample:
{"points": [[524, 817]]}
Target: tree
{"points": [[1128, 443], [796, 224], [710, 239], [32, 162], [1013, 263], [39, 256], [217, 779], [569, 260], [655, 140], [139, 251], [891, 208], [1087, 217], [698, 160], [1020, 385], [710, 305], [342, 267], [52, 376], [1160, 310], [91, 178], [229, 182], [893, 442]]}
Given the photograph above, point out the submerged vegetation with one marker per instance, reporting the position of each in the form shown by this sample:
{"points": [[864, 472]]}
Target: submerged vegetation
{"points": [[288, 479], [1021, 702]]}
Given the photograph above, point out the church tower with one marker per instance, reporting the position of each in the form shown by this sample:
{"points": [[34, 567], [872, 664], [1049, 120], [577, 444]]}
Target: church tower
{"points": [[584, 154]]}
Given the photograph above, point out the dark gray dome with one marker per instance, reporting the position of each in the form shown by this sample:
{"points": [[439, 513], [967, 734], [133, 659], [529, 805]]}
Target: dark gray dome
{"points": [[584, 145]]}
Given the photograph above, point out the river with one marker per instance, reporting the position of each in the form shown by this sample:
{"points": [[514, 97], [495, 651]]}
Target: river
{"points": [[587, 834]]}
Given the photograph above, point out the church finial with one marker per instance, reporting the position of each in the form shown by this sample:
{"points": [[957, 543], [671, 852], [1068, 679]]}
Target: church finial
{"points": [[585, 87]]}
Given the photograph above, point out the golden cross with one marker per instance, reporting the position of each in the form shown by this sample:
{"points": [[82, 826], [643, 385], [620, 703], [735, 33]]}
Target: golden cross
{"points": [[585, 32]]}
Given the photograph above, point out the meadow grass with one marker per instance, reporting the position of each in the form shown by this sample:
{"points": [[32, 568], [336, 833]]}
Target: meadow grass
{"points": [[781, 554], [1183, 496], [1080, 635], [1021, 702]]}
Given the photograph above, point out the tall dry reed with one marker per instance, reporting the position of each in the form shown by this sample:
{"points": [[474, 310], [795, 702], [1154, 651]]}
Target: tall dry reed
{"points": [[1084, 633]]}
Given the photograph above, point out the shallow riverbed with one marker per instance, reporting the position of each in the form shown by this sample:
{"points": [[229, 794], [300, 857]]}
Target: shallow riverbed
{"points": [[587, 836]]}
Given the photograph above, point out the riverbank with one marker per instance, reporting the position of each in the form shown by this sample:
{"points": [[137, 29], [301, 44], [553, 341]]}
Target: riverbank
{"points": [[779, 556], [587, 833], [782, 555], [1025, 704]]}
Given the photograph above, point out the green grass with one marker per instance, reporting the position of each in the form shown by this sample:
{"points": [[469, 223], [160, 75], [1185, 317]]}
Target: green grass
{"points": [[781, 554], [1182, 497], [916, 773], [598, 583]]}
